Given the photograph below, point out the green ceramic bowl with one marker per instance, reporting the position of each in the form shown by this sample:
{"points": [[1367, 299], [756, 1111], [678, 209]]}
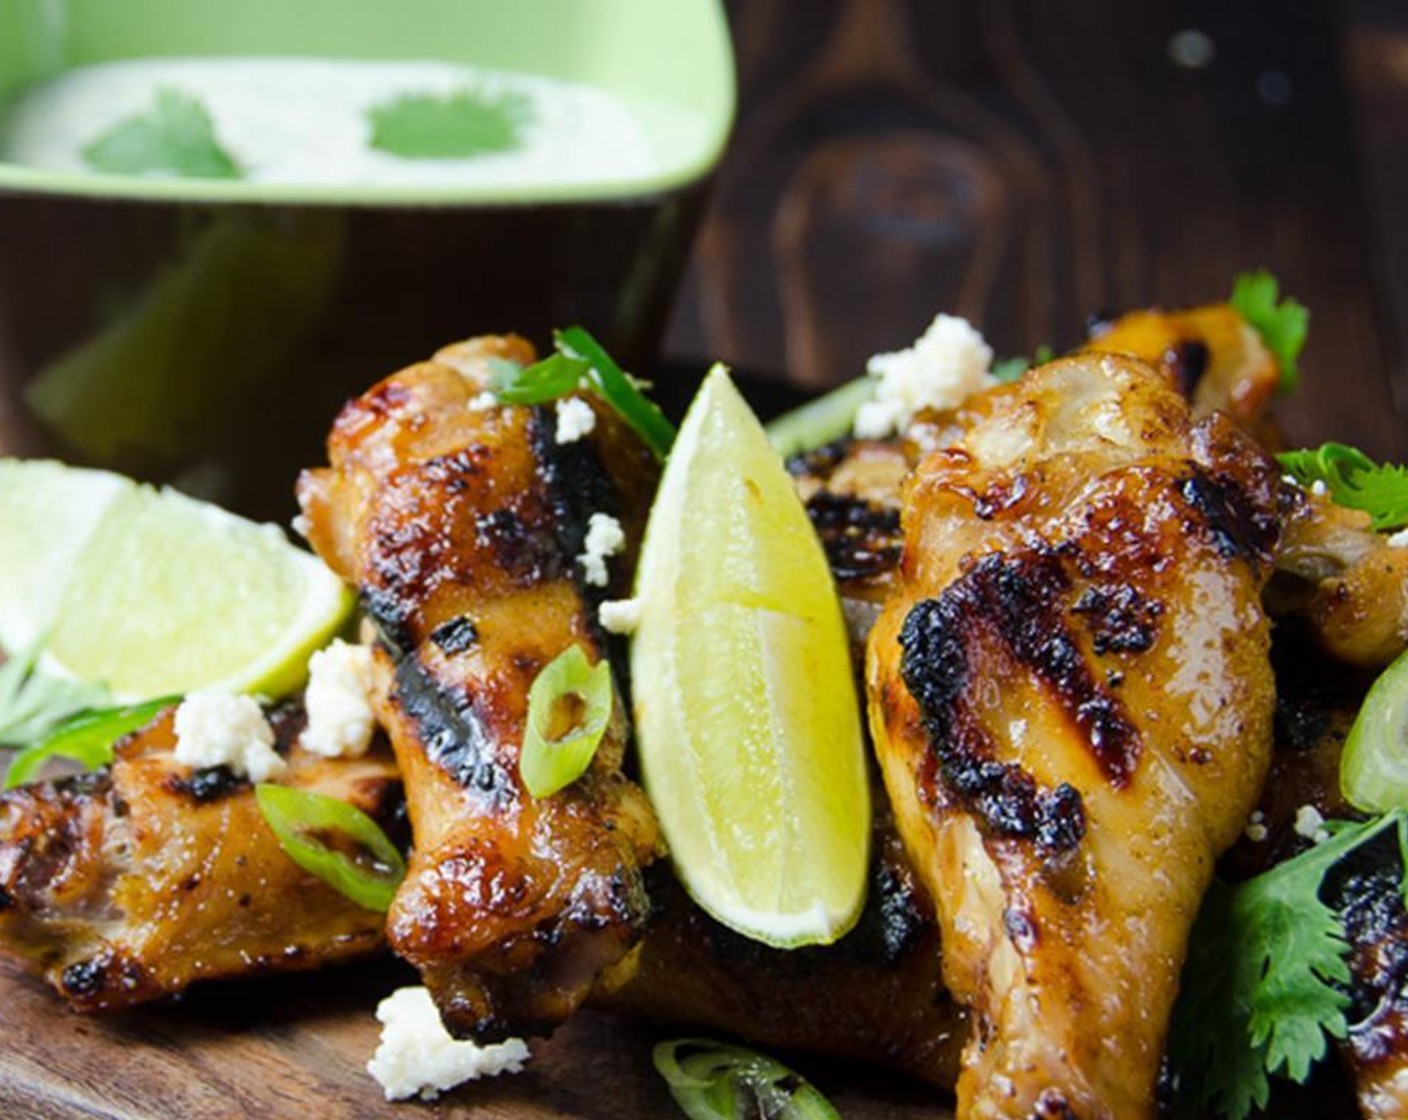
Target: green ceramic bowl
{"points": [[206, 331]]}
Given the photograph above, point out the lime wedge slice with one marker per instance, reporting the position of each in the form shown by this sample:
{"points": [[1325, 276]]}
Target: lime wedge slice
{"points": [[155, 593], [747, 719], [47, 514], [1374, 765]]}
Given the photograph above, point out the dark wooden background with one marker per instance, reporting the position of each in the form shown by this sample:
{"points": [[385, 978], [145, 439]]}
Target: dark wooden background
{"points": [[1026, 164]]}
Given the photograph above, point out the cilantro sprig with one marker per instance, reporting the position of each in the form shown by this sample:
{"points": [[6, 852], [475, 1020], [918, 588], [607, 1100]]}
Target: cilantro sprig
{"points": [[1354, 480], [1282, 323], [175, 136], [1262, 987]]}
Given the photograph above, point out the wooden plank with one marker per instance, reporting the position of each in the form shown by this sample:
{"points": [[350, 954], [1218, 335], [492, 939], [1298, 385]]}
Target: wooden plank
{"points": [[298, 1046], [1025, 165]]}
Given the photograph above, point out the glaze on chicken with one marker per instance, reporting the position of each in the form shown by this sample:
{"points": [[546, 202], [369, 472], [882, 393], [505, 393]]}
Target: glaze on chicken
{"points": [[134, 882], [1071, 697], [460, 522]]}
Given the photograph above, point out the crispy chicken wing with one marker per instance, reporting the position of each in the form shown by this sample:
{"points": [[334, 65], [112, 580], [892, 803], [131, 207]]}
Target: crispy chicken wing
{"points": [[877, 995], [1211, 354], [1350, 584], [135, 882], [1071, 698], [461, 522]]}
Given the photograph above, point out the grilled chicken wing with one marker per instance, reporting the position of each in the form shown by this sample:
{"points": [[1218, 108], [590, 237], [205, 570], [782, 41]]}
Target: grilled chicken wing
{"points": [[1071, 698], [877, 995], [1211, 354], [461, 523], [1349, 583], [134, 882]]}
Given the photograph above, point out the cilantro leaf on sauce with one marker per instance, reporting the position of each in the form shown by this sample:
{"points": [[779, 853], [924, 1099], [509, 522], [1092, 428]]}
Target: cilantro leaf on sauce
{"points": [[175, 136], [466, 122]]}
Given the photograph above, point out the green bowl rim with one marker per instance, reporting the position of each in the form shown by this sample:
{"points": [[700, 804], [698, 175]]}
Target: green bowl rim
{"points": [[16, 178]]}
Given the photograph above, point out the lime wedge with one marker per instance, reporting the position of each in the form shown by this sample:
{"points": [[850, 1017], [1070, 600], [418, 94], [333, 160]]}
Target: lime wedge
{"points": [[1374, 765], [155, 593], [747, 719], [47, 514]]}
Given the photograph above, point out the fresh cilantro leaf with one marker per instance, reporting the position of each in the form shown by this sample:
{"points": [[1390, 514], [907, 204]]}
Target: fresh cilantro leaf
{"points": [[32, 704], [174, 137], [1011, 369], [466, 122], [1354, 480], [1259, 993], [1282, 326]]}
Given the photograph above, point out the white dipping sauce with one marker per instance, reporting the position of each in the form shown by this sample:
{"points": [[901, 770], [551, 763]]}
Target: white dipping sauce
{"points": [[305, 120]]}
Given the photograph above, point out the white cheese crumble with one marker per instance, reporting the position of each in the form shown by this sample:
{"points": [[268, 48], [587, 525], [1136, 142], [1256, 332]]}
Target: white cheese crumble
{"points": [[946, 365], [417, 1056], [619, 616], [1318, 488], [220, 729], [483, 402], [340, 716], [1310, 824], [605, 538], [1399, 539], [575, 419], [1256, 828]]}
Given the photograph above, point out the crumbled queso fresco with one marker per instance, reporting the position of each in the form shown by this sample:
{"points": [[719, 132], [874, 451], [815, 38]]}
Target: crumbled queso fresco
{"points": [[619, 616], [338, 700], [605, 538], [220, 729], [417, 1056], [947, 364], [1311, 824], [1399, 539], [575, 419]]}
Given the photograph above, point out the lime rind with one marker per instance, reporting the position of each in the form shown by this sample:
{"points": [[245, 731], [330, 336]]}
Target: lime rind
{"points": [[749, 727], [155, 593], [1374, 765], [48, 512]]}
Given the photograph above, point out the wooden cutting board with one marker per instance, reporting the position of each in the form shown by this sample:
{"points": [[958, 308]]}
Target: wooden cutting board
{"points": [[297, 1047]]}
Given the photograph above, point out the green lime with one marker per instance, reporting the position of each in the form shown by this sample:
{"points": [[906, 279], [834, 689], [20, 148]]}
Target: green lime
{"points": [[47, 514], [156, 593], [1374, 765], [749, 728]]}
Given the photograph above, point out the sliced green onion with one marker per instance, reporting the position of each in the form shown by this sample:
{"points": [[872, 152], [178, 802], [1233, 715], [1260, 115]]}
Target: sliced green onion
{"points": [[613, 385], [723, 1082], [568, 689], [555, 376], [86, 738], [335, 841], [819, 422], [1374, 765]]}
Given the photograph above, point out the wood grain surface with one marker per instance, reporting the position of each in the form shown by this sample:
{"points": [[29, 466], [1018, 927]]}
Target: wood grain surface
{"points": [[297, 1048], [1024, 164]]}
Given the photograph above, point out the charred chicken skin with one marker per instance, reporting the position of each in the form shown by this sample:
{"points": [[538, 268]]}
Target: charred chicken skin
{"points": [[137, 881], [1071, 697], [461, 522]]}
